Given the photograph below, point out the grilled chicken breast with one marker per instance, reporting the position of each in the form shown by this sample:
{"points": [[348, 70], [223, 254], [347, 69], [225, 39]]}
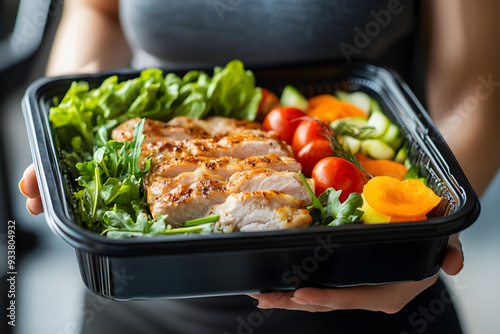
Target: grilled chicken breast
{"points": [[242, 145], [184, 201], [186, 128], [260, 210], [220, 166], [251, 180]]}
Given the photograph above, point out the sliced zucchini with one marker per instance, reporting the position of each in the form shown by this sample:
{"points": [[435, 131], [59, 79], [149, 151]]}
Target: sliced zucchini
{"points": [[401, 155], [374, 106], [392, 136], [377, 149], [358, 99], [291, 97], [358, 122], [379, 122], [353, 143]]}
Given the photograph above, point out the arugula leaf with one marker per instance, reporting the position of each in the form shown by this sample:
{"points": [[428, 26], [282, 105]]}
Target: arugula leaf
{"points": [[346, 212]]}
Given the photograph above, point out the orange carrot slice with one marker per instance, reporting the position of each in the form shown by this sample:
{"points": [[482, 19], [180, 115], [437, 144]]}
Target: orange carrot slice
{"points": [[328, 108], [317, 100], [408, 199], [384, 168]]}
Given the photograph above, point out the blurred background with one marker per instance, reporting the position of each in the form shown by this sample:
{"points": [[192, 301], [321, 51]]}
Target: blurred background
{"points": [[49, 290]]}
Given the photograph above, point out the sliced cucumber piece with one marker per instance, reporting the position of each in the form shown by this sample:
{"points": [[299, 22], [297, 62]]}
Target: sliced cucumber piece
{"points": [[353, 143], [374, 106], [392, 136], [377, 149], [291, 97], [401, 155], [379, 122], [358, 122], [358, 99], [342, 95]]}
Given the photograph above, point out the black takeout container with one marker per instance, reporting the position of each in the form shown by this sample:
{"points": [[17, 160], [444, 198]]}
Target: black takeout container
{"points": [[174, 266]]}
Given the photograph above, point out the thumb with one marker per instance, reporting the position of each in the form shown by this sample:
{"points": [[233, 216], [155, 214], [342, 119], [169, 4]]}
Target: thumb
{"points": [[454, 259]]}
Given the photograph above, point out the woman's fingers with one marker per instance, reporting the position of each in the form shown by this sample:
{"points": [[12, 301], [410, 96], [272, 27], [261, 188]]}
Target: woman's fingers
{"points": [[389, 298], [28, 184], [284, 300], [29, 188], [34, 206], [454, 259]]}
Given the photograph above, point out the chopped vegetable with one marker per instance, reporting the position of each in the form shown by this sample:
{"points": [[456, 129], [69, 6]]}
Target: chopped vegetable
{"points": [[383, 167], [328, 108], [406, 199], [291, 97], [327, 209]]}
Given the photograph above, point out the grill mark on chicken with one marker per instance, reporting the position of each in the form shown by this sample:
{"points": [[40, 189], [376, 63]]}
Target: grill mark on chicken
{"points": [[224, 166], [199, 195], [242, 145], [187, 128], [251, 180]]}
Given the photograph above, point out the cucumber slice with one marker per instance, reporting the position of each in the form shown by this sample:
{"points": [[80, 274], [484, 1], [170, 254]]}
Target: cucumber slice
{"points": [[353, 143], [401, 155], [358, 122], [341, 95], [291, 97], [379, 122], [392, 136], [377, 149], [358, 99], [374, 106]]}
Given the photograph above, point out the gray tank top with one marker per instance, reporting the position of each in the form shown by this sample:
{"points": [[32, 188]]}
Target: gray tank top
{"points": [[173, 33]]}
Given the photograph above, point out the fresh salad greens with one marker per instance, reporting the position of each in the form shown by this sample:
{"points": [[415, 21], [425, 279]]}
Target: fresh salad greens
{"points": [[108, 190], [328, 210], [230, 92]]}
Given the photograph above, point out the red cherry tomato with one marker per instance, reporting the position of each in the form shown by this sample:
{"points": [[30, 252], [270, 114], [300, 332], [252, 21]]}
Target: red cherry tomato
{"points": [[337, 173], [284, 121], [306, 132], [311, 153], [268, 102]]}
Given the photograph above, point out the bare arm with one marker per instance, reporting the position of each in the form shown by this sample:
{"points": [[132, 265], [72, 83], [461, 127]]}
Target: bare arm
{"points": [[89, 38], [463, 82]]}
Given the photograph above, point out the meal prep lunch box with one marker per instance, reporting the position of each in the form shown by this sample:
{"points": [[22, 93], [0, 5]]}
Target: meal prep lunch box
{"points": [[175, 266]]}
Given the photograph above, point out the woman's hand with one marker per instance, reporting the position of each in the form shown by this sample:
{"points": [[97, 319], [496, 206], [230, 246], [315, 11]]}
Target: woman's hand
{"points": [[389, 298], [29, 188]]}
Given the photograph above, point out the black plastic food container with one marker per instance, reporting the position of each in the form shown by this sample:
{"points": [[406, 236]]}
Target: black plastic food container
{"points": [[175, 266]]}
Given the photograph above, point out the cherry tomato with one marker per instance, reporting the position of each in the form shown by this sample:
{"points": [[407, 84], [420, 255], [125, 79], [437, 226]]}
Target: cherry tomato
{"points": [[284, 121], [311, 153], [337, 173], [268, 102], [306, 132]]}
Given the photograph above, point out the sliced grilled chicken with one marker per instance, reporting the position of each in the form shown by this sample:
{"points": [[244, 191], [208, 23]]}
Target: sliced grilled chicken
{"points": [[251, 180], [241, 145], [156, 130], [259, 211], [216, 124], [186, 201], [224, 166], [186, 128]]}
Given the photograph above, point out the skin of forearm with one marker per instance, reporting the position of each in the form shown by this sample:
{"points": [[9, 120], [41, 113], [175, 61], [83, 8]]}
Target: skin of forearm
{"points": [[463, 82], [89, 38]]}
